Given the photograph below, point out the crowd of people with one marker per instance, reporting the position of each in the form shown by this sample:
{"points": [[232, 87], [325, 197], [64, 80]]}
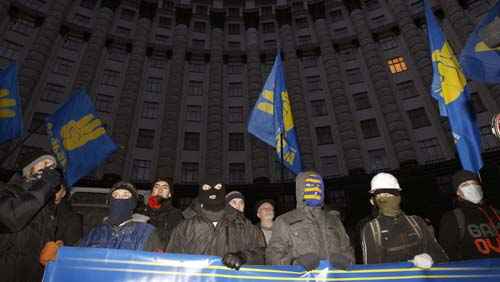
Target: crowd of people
{"points": [[36, 220]]}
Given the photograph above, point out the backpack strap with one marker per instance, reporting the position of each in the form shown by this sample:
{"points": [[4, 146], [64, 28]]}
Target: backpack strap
{"points": [[459, 215], [377, 237], [414, 224]]}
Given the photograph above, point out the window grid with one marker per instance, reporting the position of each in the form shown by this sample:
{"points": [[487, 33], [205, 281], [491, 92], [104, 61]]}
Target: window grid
{"points": [[150, 110], [237, 172], [104, 103], [324, 135], [189, 172], [369, 128], [141, 170], [397, 65], [145, 138], [236, 142], [191, 141], [418, 118]]}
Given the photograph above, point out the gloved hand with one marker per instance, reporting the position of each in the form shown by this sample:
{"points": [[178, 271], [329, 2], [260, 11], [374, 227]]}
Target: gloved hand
{"points": [[423, 261], [309, 261], [340, 261], [49, 251], [234, 260]]}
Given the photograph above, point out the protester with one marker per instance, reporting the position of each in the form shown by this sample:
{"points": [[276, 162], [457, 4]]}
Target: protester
{"points": [[236, 200], [163, 215], [394, 236], [120, 230], [265, 214], [471, 231], [25, 217], [309, 233], [218, 230]]}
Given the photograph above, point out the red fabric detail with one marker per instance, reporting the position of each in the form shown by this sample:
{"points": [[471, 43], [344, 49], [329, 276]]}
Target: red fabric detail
{"points": [[153, 202]]}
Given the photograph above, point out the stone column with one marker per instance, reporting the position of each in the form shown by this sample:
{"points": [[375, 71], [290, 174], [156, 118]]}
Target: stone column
{"points": [[398, 133], [294, 85], [32, 67], [347, 127], [104, 19], [170, 123], [260, 157], [214, 157], [128, 99]]}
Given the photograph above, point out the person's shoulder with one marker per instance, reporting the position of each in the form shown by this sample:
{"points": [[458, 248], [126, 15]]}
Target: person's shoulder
{"points": [[290, 217]]}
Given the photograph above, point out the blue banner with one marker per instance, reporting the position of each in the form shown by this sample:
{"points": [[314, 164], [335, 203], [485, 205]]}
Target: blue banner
{"points": [[109, 265], [78, 137], [11, 119], [480, 59], [272, 121]]}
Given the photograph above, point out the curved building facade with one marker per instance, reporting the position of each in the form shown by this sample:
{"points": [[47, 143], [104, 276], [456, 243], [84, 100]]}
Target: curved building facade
{"points": [[174, 81]]}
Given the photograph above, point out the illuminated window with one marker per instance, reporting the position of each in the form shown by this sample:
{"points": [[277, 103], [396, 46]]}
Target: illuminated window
{"points": [[397, 65]]}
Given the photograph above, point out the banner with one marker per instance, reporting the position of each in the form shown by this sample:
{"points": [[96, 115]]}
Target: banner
{"points": [[109, 265]]}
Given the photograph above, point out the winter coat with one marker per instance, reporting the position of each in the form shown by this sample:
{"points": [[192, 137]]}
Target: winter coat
{"points": [[400, 238], [130, 235], [165, 219], [477, 235], [233, 233], [19, 251], [307, 230]]}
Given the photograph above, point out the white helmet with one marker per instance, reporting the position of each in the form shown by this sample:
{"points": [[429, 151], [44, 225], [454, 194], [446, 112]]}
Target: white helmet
{"points": [[384, 181]]}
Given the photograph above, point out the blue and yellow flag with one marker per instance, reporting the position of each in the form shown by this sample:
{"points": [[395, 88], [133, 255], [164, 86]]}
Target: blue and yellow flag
{"points": [[272, 117], [449, 88], [480, 58], [78, 138], [11, 119]]}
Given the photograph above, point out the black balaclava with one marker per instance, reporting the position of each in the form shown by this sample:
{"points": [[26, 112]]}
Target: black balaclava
{"points": [[212, 199], [121, 210]]}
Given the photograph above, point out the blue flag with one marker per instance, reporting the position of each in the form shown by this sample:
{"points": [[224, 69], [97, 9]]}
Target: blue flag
{"points": [[78, 138], [11, 119], [272, 118], [449, 88], [480, 58]]}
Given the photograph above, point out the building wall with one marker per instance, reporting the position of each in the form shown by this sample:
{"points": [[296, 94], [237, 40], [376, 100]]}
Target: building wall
{"points": [[175, 81]]}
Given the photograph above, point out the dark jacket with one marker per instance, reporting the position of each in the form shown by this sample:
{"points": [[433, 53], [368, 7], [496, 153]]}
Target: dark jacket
{"points": [[165, 219], [129, 235], [307, 230], [400, 238], [192, 210], [20, 250], [480, 236], [233, 233]]}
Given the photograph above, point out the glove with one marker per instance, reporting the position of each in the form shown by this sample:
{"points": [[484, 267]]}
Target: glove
{"points": [[309, 261], [234, 260], [340, 261], [423, 261], [49, 251]]}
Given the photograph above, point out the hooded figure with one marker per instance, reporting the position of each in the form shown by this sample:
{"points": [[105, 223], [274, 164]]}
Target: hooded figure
{"points": [[471, 230], [161, 212], [120, 230], [218, 230], [309, 233], [393, 236], [26, 217]]}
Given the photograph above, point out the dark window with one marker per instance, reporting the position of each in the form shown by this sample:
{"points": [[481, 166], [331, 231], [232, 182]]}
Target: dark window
{"points": [[234, 68], [191, 141], [354, 75], [304, 39], [235, 114], [267, 11], [235, 89], [150, 110], [372, 5], [377, 160], [388, 42], [88, 4], [269, 44], [10, 49], [314, 83], [72, 43], [268, 27], [189, 172], [63, 66], [38, 123], [199, 27], [127, 15], [125, 31], [361, 101], [145, 138], [23, 25], [301, 23], [193, 113], [234, 12], [324, 135], [236, 142], [233, 45], [234, 29], [195, 88], [348, 53], [319, 108], [237, 172], [198, 43], [104, 103], [141, 170], [336, 16], [406, 89], [430, 150], [369, 128], [164, 22], [310, 61], [202, 10], [477, 103], [118, 53], [157, 60], [153, 86], [53, 93], [418, 118]]}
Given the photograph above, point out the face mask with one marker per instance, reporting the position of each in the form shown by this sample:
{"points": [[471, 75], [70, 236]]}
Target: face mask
{"points": [[121, 210], [472, 193], [313, 190], [211, 198], [388, 205]]}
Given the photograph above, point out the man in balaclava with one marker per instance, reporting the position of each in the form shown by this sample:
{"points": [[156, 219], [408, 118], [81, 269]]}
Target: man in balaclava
{"points": [[309, 233], [161, 212], [394, 236], [119, 230], [471, 230], [218, 230], [24, 214]]}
